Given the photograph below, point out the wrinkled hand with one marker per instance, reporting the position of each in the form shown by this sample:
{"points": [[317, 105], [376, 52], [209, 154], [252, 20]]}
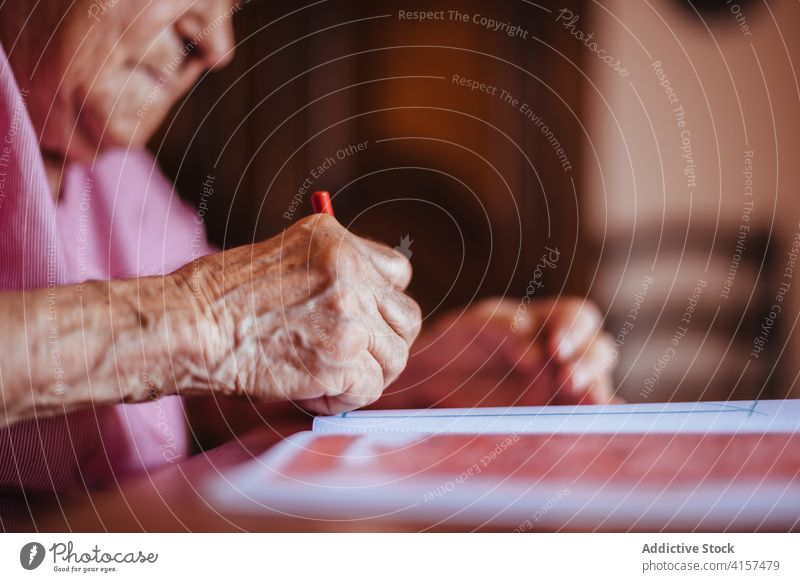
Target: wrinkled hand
{"points": [[499, 352], [316, 315]]}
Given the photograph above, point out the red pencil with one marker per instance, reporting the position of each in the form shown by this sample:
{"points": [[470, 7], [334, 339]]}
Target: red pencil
{"points": [[321, 201]]}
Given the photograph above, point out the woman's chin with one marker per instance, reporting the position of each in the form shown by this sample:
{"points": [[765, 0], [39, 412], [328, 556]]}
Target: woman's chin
{"points": [[123, 131], [86, 150]]}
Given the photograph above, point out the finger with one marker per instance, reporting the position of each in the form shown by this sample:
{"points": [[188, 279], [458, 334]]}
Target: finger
{"points": [[326, 405], [364, 381], [356, 384], [402, 314], [570, 327], [516, 323], [496, 310], [389, 263], [601, 392], [588, 377], [597, 392], [389, 351], [319, 405]]}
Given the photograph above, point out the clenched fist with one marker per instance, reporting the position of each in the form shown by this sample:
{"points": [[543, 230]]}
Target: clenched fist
{"points": [[315, 315]]}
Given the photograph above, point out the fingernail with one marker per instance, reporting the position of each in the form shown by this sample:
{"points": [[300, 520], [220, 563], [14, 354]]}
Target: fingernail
{"points": [[580, 379], [566, 347]]}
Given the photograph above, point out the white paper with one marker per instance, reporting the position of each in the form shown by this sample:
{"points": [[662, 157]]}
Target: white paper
{"points": [[757, 416], [353, 489], [260, 486]]}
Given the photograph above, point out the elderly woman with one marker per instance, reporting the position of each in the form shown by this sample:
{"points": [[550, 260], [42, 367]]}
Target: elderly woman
{"points": [[111, 314]]}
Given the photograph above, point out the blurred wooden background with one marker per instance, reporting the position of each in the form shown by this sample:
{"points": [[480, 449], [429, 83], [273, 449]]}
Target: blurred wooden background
{"points": [[479, 187], [308, 81]]}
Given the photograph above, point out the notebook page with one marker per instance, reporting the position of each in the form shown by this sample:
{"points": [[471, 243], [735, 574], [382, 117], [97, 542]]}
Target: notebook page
{"points": [[646, 482], [757, 416]]}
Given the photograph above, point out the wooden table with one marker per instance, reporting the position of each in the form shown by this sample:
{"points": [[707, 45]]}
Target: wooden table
{"points": [[172, 500], [169, 500]]}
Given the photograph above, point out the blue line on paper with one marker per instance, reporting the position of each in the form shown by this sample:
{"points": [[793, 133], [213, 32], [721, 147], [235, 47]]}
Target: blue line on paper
{"points": [[723, 408]]}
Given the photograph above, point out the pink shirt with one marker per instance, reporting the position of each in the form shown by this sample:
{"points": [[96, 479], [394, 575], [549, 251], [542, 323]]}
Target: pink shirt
{"points": [[120, 218]]}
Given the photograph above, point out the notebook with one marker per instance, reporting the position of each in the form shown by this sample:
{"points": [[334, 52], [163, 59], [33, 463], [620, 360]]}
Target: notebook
{"points": [[715, 466]]}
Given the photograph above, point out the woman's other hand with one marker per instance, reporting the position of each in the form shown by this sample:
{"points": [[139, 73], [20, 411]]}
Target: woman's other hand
{"points": [[500, 352]]}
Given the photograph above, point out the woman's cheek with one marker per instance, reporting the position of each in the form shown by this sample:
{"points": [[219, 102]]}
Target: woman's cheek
{"points": [[125, 108]]}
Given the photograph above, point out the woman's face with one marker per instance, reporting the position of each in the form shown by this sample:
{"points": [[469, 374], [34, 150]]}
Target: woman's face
{"points": [[107, 73]]}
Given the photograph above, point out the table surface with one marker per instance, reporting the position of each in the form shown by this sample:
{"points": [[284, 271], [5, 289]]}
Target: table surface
{"points": [[169, 500]]}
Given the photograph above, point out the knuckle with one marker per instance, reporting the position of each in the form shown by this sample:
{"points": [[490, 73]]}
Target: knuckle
{"points": [[334, 335], [488, 304], [605, 341], [318, 222], [329, 260], [375, 383], [394, 362], [414, 312], [364, 396], [349, 301], [398, 265], [365, 385], [401, 263], [349, 338]]}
